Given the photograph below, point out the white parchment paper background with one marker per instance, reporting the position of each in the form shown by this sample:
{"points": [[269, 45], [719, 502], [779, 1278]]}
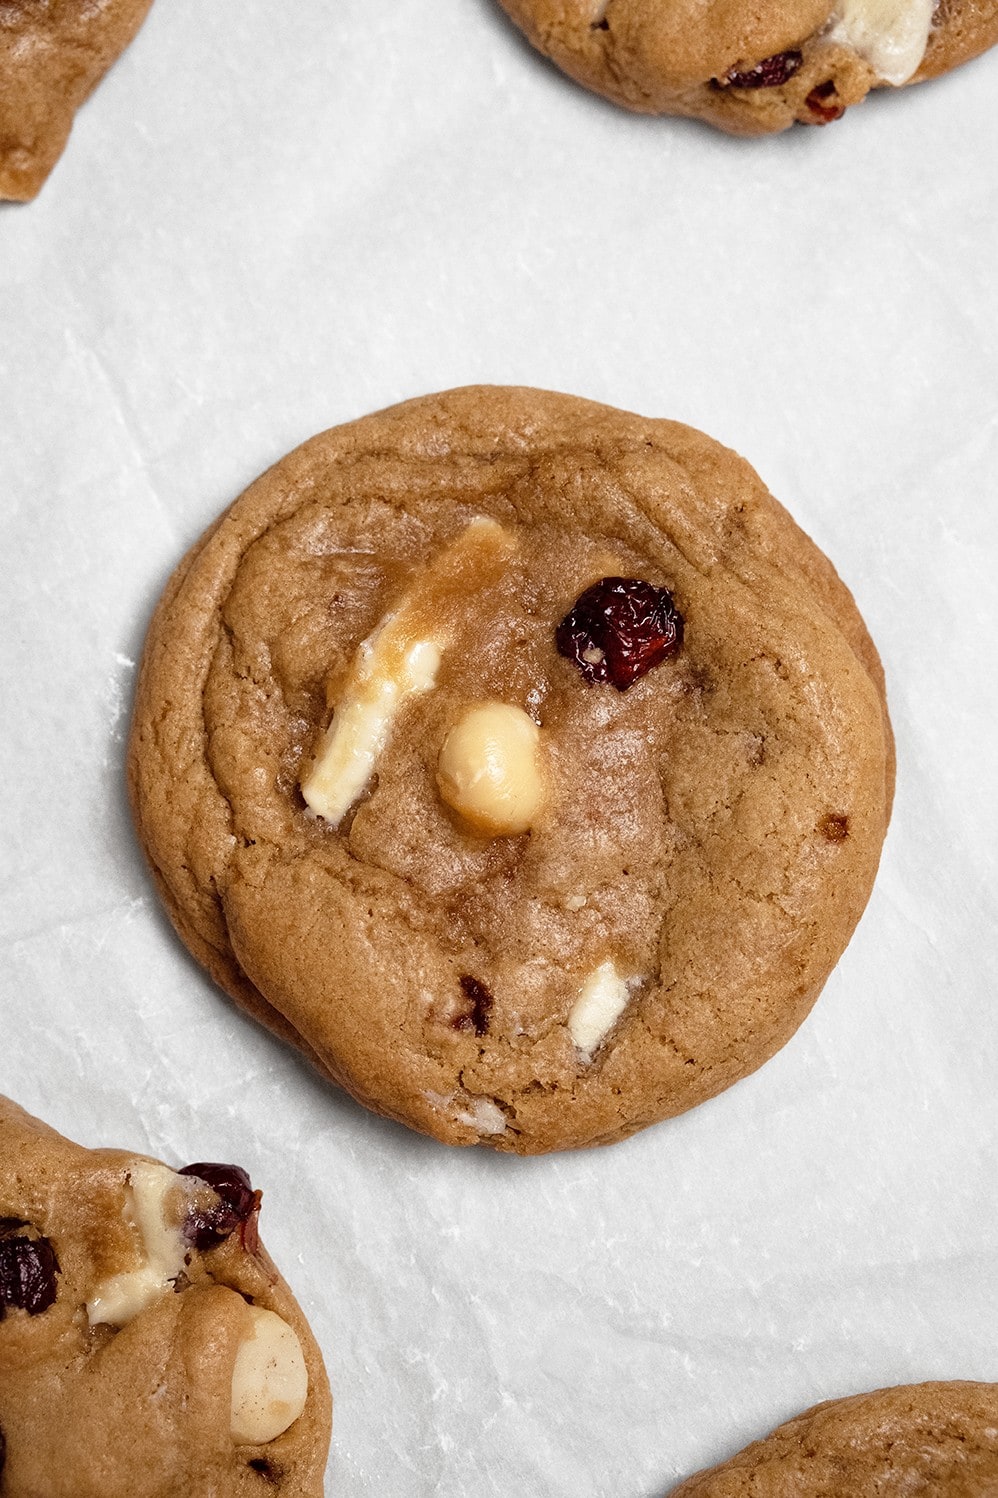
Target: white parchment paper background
{"points": [[274, 218]]}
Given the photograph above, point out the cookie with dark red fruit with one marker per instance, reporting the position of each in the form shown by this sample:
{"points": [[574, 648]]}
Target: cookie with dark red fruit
{"points": [[752, 69], [517, 758], [53, 53], [938, 1438], [148, 1345]]}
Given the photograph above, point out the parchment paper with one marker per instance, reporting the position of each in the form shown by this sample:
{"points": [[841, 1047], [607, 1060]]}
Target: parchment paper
{"points": [[274, 218]]}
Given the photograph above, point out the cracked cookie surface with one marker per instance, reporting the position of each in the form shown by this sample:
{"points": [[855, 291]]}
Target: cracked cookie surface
{"points": [[754, 69], [53, 53], [913, 1441], [148, 1345], [700, 844]]}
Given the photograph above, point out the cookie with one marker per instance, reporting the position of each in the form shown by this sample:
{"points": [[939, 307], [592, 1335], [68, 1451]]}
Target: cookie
{"points": [[754, 68], [936, 1440], [53, 53], [517, 758], [148, 1346]]}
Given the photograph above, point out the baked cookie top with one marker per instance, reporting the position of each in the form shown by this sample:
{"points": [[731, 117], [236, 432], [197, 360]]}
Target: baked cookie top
{"points": [[934, 1440], [53, 53], [754, 68], [148, 1345], [398, 802]]}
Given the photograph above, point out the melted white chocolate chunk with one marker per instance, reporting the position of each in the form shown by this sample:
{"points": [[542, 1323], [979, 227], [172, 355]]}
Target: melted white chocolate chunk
{"points": [[890, 35], [602, 1000], [399, 660], [269, 1380], [489, 769], [386, 672], [121, 1297]]}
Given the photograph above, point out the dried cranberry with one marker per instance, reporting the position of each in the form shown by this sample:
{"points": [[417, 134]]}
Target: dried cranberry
{"points": [[28, 1267], [237, 1201], [481, 1001], [821, 101], [620, 628], [770, 73]]}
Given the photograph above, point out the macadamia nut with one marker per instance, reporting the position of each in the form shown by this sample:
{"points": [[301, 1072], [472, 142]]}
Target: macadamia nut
{"points": [[489, 769], [269, 1380]]}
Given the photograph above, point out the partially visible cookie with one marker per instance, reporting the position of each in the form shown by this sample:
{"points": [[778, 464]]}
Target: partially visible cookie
{"points": [[935, 1440], [519, 759], [53, 53], [754, 68], [148, 1346]]}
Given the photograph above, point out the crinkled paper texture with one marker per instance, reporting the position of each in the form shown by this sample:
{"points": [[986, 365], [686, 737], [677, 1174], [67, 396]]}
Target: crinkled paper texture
{"points": [[271, 219]]}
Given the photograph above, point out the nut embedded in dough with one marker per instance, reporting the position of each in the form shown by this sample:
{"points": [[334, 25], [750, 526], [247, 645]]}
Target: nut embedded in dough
{"points": [[269, 1380], [489, 769]]}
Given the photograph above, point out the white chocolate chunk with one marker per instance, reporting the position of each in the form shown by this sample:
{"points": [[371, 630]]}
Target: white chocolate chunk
{"points": [[269, 1380], [602, 1000], [484, 1115], [121, 1297], [890, 35], [489, 769], [398, 661], [386, 674]]}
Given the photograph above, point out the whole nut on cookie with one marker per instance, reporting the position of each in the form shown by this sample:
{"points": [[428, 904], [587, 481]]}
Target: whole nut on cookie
{"points": [[753, 68], [489, 769], [269, 1380], [706, 799]]}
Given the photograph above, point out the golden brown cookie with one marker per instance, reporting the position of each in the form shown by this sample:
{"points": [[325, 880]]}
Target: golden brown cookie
{"points": [[754, 68], [936, 1440], [53, 53], [148, 1346], [517, 758]]}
